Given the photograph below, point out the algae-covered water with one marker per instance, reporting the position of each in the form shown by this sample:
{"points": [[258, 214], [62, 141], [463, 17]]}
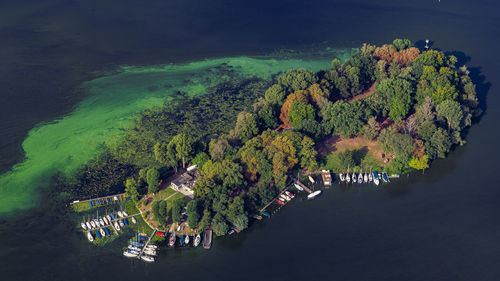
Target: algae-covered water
{"points": [[113, 102]]}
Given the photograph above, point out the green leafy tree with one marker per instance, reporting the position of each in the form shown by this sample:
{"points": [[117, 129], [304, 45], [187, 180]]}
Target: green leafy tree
{"points": [[308, 154], [200, 159], [193, 214], [344, 118], [299, 112], [297, 79], [241, 221], [399, 94], [440, 144], [131, 187], [236, 208], [159, 210], [219, 225], [276, 94], [401, 44], [152, 177], [370, 130], [346, 159], [206, 219], [176, 210], [246, 126], [183, 147], [419, 163], [268, 116], [452, 112]]}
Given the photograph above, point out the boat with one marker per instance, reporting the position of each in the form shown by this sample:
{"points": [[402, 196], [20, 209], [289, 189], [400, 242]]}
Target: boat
{"points": [[314, 194], [121, 223], [171, 243], [280, 202], [115, 198], [89, 236], [142, 237], [375, 178], [197, 240], [366, 177], [108, 217], [290, 194], [311, 179], [284, 198], [130, 254], [101, 221], [103, 233], [370, 176], [159, 233], [354, 178], [360, 178], [231, 231], [147, 258], [106, 221], [92, 223], [90, 204], [124, 214], [348, 178], [384, 177], [134, 248], [134, 221], [117, 227], [125, 221], [298, 187], [98, 234], [108, 233], [342, 177], [183, 238], [187, 240], [287, 197], [150, 252], [112, 216], [83, 226], [137, 244], [266, 214], [154, 247], [120, 214], [89, 227]]}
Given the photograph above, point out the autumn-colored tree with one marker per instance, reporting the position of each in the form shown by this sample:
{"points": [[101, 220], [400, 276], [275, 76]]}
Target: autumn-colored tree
{"points": [[406, 56], [419, 163], [386, 52], [318, 95], [290, 100]]}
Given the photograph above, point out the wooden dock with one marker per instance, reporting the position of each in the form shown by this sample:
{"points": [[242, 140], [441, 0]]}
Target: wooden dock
{"points": [[207, 238], [119, 196], [147, 243], [303, 186]]}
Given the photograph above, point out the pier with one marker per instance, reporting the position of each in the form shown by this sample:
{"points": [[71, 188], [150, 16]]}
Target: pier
{"points": [[207, 238], [119, 196], [274, 199], [297, 182], [147, 243]]}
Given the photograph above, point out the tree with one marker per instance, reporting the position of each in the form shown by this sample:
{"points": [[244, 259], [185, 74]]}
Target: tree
{"points": [[152, 177], [275, 94], [346, 159], [297, 79], [308, 154], [206, 220], [200, 159], [290, 100], [182, 145], [131, 187], [219, 224], [159, 210], [193, 214], [371, 129], [241, 221], [343, 117], [246, 126], [401, 44], [426, 130], [203, 186], [318, 95], [299, 112], [452, 112], [419, 163], [236, 208], [268, 116], [165, 155], [440, 143], [399, 93], [217, 147], [176, 210], [425, 112]]}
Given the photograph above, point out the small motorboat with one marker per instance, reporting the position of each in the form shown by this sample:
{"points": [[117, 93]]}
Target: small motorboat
{"points": [[83, 226], [291, 195], [366, 177], [134, 221], [314, 194], [92, 223], [280, 202], [348, 178], [97, 224], [105, 220], [89, 236], [370, 177], [197, 240], [124, 214], [354, 178], [134, 248], [121, 223], [154, 247], [186, 241], [108, 233], [150, 252], [90, 204], [137, 244], [161, 234], [125, 221], [311, 180], [147, 258], [360, 178], [103, 233], [108, 217], [101, 221], [117, 226], [183, 238], [384, 177], [115, 198], [171, 243], [98, 234]]}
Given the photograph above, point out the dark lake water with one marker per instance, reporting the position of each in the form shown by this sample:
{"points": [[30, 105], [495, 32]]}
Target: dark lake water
{"points": [[444, 225]]}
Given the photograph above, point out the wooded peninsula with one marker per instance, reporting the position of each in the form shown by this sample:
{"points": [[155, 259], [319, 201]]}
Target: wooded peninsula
{"points": [[394, 108]]}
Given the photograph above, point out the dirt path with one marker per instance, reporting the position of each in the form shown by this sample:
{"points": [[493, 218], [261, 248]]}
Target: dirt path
{"points": [[365, 93]]}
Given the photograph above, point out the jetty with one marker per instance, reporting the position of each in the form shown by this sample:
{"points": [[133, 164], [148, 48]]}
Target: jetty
{"points": [[303, 186], [147, 243], [207, 238], [92, 201], [274, 199]]}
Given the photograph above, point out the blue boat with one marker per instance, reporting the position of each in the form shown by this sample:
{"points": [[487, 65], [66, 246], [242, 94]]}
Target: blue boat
{"points": [[107, 232], [109, 200], [137, 244], [112, 216], [314, 194], [384, 177], [98, 234], [266, 214], [125, 221], [90, 204], [183, 238], [142, 237], [375, 178]]}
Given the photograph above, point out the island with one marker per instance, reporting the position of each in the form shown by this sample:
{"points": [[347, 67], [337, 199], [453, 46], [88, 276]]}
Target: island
{"points": [[215, 160]]}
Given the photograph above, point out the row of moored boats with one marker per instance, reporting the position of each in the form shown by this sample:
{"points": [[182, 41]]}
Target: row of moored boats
{"points": [[100, 226], [184, 240], [285, 197], [367, 177], [138, 249], [106, 200]]}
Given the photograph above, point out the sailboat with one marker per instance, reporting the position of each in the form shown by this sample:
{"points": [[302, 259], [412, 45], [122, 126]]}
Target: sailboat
{"points": [[133, 220], [124, 214], [347, 176], [354, 177], [370, 176], [117, 227], [171, 243], [130, 254], [360, 177], [187, 240], [341, 176], [83, 226], [101, 221], [89, 236], [103, 233], [366, 177], [147, 258], [197, 240], [375, 178]]}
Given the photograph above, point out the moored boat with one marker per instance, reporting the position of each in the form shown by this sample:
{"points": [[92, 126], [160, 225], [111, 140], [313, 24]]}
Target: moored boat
{"points": [[347, 178], [89, 227], [375, 178], [197, 240], [150, 252], [150, 246], [186, 241], [125, 221], [360, 178], [370, 176], [92, 223], [147, 258], [159, 233], [280, 202], [106, 221], [137, 244], [106, 230], [117, 227], [365, 177], [101, 221], [124, 214], [83, 226], [384, 177], [108, 217], [314, 194], [183, 238], [130, 254], [103, 233], [291, 195], [134, 221], [354, 178], [171, 243], [121, 223], [120, 214], [89, 236], [98, 234], [342, 177]]}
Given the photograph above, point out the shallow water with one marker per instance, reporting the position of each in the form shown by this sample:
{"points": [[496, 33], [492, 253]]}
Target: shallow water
{"points": [[443, 225]]}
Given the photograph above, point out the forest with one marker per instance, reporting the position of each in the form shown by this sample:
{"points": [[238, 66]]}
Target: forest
{"points": [[250, 137]]}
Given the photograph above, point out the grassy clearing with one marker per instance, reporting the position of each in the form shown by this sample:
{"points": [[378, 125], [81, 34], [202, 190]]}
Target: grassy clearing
{"points": [[81, 207]]}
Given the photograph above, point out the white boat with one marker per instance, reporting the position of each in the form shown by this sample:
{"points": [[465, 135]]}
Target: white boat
{"points": [[370, 177], [89, 227], [134, 248], [342, 177], [97, 224], [354, 178], [311, 179], [186, 241], [150, 252], [154, 247], [124, 214], [360, 178], [197, 240], [298, 187], [121, 223], [314, 194], [108, 217], [89, 236], [366, 177], [289, 194], [105, 220], [375, 178], [92, 223], [129, 254], [102, 232], [348, 178], [117, 227], [134, 221], [147, 258], [101, 221], [83, 226], [115, 198], [120, 214]]}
